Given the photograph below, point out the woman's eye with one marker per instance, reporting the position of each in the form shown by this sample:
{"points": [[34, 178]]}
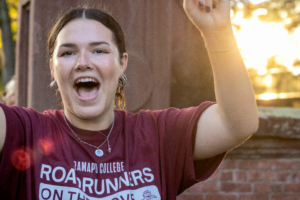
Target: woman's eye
{"points": [[99, 51], [67, 53]]}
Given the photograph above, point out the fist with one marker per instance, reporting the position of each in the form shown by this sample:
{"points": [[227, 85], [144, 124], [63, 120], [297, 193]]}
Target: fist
{"points": [[208, 15]]}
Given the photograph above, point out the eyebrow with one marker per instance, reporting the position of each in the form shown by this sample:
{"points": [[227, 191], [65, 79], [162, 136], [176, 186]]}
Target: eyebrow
{"points": [[91, 44], [98, 43]]}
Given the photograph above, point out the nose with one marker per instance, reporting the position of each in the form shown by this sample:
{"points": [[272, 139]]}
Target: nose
{"points": [[83, 63]]}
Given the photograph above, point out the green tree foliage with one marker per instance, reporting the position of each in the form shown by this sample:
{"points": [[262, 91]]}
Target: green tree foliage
{"points": [[12, 8]]}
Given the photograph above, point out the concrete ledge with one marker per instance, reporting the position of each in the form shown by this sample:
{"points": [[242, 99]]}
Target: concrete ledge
{"points": [[279, 122], [278, 135]]}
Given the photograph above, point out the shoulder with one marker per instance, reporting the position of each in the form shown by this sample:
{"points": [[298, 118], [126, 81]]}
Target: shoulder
{"points": [[170, 112], [23, 114], [14, 111], [165, 116]]}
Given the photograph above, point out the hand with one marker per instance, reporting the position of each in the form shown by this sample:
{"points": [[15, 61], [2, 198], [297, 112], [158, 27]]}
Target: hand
{"points": [[212, 16]]}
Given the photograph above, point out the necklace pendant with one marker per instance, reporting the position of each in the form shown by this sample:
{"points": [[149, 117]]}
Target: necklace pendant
{"points": [[99, 152], [109, 150]]}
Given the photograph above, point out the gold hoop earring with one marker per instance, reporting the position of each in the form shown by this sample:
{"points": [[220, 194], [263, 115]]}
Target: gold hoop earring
{"points": [[122, 81], [53, 84]]}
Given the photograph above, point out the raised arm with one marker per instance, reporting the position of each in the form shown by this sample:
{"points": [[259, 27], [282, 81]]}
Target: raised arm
{"points": [[235, 117], [2, 129]]}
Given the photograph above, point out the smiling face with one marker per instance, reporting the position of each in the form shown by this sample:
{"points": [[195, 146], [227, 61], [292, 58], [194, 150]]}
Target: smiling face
{"points": [[86, 66]]}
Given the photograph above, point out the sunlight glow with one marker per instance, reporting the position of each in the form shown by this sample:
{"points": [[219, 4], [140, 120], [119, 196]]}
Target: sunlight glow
{"points": [[240, 5], [270, 50], [260, 11], [283, 15], [296, 71], [268, 96], [257, 1], [45, 146], [238, 18], [20, 159], [287, 20], [297, 9], [268, 80], [231, 13], [259, 41], [274, 71], [262, 71]]}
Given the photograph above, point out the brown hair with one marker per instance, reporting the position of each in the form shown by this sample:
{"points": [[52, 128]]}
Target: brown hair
{"points": [[108, 21]]}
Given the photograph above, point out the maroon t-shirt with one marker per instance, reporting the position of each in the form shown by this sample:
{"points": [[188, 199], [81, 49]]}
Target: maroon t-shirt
{"points": [[151, 156]]}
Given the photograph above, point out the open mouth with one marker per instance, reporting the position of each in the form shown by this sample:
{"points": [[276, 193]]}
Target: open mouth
{"points": [[87, 87]]}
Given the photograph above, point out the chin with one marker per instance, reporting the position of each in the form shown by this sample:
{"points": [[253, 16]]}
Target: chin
{"points": [[90, 112]]}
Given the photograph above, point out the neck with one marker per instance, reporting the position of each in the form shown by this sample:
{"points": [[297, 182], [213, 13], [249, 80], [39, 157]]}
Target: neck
{"points": [[97, 123]]}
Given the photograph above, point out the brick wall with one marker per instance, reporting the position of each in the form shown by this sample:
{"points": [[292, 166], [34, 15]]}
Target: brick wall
{"points": [[240, 179]]}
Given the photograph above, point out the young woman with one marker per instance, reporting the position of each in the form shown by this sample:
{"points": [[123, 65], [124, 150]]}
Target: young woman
{"points": [[88, 150]]}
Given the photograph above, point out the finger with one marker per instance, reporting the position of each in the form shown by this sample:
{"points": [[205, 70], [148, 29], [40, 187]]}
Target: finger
{"points": [[201, 3], [214, 4], [203, 7], [207, 9], [208, 5]]}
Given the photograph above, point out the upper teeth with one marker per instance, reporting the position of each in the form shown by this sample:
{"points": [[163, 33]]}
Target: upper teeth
{"points": [[86, 80]]}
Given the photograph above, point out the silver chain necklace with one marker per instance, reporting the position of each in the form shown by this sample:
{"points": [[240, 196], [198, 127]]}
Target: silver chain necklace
{"points": [[98, 151]]}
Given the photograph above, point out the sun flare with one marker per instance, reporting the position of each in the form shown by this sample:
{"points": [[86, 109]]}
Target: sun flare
{"points": [[270, 52]]}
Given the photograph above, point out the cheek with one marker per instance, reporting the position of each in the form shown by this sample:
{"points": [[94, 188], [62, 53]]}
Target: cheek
{"points": [[110, 81], [110, 78], [111, 70], [62, 69]]}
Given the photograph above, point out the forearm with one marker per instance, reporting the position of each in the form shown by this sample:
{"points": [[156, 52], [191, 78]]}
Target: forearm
{"points": [[233, 89]]}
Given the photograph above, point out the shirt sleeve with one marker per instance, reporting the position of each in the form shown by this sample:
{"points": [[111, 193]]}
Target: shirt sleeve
{"points": [[15, 131], [177, 129], [16, 157]]}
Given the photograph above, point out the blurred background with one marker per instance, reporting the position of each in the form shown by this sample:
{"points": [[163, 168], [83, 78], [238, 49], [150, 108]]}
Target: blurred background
{"points": [[169, 66], [8, 35], [268, 34]]}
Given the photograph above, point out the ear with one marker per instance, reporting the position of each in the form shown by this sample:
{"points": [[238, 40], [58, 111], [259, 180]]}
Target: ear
{"points": [[123, 63], [51, 69]]}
